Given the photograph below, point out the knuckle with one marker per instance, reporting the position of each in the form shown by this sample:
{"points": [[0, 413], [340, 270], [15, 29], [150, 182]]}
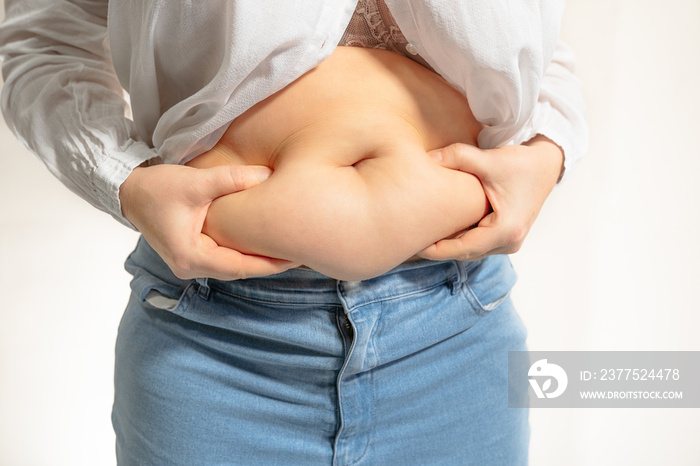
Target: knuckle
{"points": [[234, 271], [181, 267], [237, 274], [455, 150], [236, 176], [516, 235], [467, 255], [183, 274]]}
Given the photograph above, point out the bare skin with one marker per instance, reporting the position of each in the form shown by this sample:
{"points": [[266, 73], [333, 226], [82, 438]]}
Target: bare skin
{"points": [[168, 204], [353, 191]]}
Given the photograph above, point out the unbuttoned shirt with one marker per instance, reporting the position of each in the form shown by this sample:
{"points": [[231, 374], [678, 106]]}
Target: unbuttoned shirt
{"points": [[96, 88]]}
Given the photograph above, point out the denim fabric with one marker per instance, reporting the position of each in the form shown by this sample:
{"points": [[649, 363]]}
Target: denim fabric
{"points": [[298, 368]]}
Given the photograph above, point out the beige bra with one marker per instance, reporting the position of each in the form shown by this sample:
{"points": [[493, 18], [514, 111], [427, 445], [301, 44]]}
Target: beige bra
{"points": [[373, 26]]}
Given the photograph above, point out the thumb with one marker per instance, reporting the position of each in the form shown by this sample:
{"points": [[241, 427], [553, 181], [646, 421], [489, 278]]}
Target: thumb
{"points": [[463, 157], [228, 179]]}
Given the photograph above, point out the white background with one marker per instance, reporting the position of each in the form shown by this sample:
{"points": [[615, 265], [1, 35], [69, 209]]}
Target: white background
{"points": [[612, 263]]}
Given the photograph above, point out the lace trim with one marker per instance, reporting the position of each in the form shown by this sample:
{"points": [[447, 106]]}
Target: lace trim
{"points": [[373, 26]]}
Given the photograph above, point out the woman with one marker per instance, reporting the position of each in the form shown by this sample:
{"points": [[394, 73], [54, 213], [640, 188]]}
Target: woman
{"points": [[297, 367]]}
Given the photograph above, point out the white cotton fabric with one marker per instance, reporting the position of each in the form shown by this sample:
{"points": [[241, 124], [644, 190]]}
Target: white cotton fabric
{"points": [[191, 67]]}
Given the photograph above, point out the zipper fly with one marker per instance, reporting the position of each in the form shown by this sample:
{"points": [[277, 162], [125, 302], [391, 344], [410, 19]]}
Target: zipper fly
{"points": [[348, 327]]}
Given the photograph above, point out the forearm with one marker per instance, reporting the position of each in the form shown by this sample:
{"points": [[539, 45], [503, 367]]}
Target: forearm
{"points": [[62, 98]]}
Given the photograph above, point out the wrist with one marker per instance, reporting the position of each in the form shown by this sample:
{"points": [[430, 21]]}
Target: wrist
{"points": [[550, 155], [128, 191]]}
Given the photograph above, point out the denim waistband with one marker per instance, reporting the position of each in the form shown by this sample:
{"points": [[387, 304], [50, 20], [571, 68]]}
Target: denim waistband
{"points": [[305, 286]]}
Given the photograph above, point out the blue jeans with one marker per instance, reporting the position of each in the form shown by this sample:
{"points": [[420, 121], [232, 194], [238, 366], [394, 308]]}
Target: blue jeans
{"points": [[298, 368]]}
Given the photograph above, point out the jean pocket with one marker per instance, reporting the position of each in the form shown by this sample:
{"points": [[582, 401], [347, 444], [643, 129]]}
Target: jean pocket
{"points": [[158, 300], [489, 284], [153, 282], [164, 297]]}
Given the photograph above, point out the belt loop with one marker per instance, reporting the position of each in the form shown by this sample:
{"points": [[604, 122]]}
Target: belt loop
{"points": [[460, 277], [203, 288]]}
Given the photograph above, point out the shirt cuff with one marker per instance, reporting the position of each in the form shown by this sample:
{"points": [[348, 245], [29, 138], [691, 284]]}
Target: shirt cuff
{"points": [[110, 175], [552, 124]]}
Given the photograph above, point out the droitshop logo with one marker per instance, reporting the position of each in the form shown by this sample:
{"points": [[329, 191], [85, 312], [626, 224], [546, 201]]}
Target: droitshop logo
{"points": [[546, 372]]}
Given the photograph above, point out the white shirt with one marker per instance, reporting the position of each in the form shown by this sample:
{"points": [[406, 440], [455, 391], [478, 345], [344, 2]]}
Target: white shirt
{"points": [[191, 67]]}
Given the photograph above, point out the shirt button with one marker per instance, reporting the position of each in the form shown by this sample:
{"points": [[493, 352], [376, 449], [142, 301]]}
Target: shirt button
{"points": [[410, 48]]}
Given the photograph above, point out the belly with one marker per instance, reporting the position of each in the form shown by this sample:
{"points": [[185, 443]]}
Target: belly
{"points": [[353, 192]]}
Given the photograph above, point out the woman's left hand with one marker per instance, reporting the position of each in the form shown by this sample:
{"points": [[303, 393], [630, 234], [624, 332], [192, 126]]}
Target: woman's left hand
{"points": [[516, 180]]}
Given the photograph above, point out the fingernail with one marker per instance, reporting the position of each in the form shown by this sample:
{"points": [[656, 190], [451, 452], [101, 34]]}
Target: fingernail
{"points": [[436, 155], [262, 173]]}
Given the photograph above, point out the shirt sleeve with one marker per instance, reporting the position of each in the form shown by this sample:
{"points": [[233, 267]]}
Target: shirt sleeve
{"points": [[63, 101], [560, 110]]}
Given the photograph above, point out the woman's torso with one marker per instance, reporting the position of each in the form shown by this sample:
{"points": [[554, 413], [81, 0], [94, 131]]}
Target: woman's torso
{"points": [[355, 102], [348, 144]]}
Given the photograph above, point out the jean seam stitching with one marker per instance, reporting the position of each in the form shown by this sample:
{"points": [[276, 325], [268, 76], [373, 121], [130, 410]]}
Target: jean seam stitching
{"points": [[270, 302], [402, 295]]}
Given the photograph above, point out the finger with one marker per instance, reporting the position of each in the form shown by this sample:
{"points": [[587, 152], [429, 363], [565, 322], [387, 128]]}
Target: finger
{"points": [[472, 245], [463, 157], [219, 181], [227, 264], [205, 258]]}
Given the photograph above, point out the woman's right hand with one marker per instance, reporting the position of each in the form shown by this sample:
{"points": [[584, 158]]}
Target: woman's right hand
{"points": [[169, 203]]}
